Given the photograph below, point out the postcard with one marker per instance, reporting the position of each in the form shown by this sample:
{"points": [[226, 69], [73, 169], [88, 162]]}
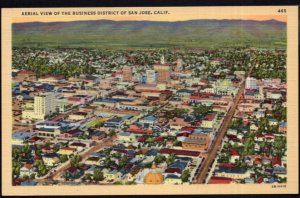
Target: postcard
{"points": [[150, 100]]}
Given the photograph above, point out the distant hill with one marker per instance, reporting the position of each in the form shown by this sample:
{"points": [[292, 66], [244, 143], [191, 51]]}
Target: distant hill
{"points": [[156, 34]]}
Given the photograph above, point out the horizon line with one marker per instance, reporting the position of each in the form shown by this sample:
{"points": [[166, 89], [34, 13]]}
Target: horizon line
{"points": [[224, 19]]}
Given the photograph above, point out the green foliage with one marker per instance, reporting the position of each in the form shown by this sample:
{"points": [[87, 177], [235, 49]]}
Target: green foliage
{"points": [[159, 159], [98, 175], [185, 175], [42, 170], [75, 161], [176, 113], [171, 158], [63, 158], [202, 110]]}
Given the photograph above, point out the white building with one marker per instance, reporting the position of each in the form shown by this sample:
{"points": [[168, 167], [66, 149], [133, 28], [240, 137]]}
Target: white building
{"points": [[44, 104], [151, 77], [251, 83]]}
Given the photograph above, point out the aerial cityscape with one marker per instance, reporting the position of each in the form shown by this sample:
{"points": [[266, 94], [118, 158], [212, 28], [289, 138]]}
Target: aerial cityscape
{"points": [[142, 109]]}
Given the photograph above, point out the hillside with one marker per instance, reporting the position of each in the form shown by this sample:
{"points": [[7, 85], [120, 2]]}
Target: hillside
{"points": [[145, 34]]}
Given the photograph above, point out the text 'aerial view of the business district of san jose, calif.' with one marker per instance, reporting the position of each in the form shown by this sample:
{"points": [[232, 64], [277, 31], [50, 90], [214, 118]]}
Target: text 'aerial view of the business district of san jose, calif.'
{"points": [[149, 102]]}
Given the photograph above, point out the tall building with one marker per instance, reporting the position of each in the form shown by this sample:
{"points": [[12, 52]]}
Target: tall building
{"points": [[44, 104], [251, 83], [178, 67], [127, 73], [150, 77], [163, 70]]}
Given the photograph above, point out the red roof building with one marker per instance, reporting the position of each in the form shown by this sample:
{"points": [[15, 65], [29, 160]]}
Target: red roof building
{"points": [[220, 180], [179, 152], [276, 161]]}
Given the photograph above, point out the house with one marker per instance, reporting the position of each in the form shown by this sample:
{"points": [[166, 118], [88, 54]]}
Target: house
{"points": [[131, 176], [71, 134], [220, 180], [269, 137], [126, 137], [97, 135], [78, 146], [249, 180], [273, 122], [147, 121], [253, 127], [283, 127], [276, 161], [18, 138], [51, 159], [178, 123], [259, 138], [27, 170], [279, 170], [232, 172], [172, 179], [28, 183], [92, 161], [232, 132], [73, 173], [67, 151], [234, 155], [79, 116], [112, 176], [115, 122]]}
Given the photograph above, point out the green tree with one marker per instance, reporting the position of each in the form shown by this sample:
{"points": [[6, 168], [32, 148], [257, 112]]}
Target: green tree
{"points": [[75, 161], [16, 166], [185, 175], [63, 158], [42, 170], [98, 175], [171, 158], [159, 159]]}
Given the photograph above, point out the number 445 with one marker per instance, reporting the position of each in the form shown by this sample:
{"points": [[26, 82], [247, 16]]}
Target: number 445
{"points": [[282, 10]]}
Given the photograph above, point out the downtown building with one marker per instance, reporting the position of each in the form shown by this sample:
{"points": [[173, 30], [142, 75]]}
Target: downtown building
{"points": [[127, 73], [251, 83], [44, 105], [163, 70]]}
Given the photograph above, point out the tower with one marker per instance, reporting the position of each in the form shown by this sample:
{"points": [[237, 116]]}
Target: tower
{"points": [[127, 73]]}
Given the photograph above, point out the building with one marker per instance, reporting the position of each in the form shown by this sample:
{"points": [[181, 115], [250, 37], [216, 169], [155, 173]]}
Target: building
{"points": [[25, 75], [154, 176], [251, 83], [44, 105], [18, 138], [127, 73], [179, 66], [151, 76], [196, 141], [163, 71]]}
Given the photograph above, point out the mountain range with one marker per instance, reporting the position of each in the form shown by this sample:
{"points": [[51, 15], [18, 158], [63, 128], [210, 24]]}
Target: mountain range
{"points": [[151, 34]]}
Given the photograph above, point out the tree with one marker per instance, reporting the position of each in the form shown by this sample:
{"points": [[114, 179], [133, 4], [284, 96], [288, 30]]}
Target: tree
{"points": [[159, 159], [42, 170], [75, 161], [123, 161], [171, 159], [32, 176], [98, 175], [185, 175], [177, 143], [112, 132], [63, 158], [16, 166]]}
